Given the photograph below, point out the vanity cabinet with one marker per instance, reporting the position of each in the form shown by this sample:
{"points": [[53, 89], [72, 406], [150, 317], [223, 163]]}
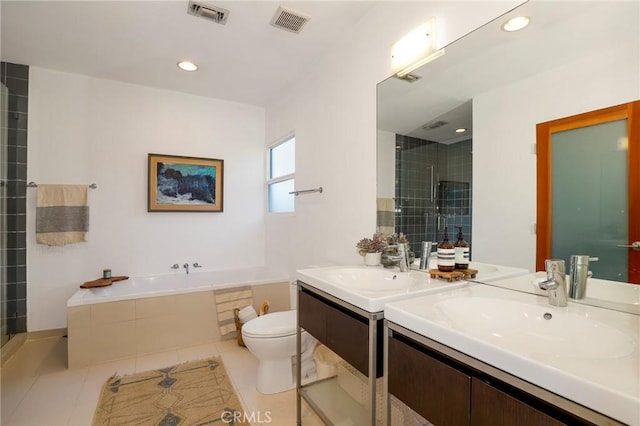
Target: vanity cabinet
{"points": [[354, 335], [449, 388]]}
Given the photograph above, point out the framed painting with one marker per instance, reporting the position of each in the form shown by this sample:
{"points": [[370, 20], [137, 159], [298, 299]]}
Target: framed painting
{"points": [[184, 184]]}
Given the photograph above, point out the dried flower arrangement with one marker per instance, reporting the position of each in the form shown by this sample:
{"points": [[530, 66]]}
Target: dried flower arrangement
{"points": [[377, 244]]}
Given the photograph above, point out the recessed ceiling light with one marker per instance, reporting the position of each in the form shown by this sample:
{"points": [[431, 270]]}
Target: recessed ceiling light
{"points": [[461, 130], [515, 24], [187, 66]]}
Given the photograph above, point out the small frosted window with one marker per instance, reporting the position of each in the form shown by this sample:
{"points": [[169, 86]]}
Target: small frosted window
{"points": [[282, 166], [283, 159]]}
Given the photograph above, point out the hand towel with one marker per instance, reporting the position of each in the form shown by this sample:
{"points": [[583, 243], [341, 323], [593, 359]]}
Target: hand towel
{"points": [[386, 215], [62, 214]]}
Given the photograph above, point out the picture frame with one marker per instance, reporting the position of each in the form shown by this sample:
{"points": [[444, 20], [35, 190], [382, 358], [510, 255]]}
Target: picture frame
{"points": [[184, 184]]}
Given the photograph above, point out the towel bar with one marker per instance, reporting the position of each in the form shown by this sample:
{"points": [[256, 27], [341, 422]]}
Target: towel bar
{"points": [[306, 191], [35, 185]]}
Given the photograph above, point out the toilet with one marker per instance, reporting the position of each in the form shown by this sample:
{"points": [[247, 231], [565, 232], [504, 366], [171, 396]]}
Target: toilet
{"points": [[272, 339]]}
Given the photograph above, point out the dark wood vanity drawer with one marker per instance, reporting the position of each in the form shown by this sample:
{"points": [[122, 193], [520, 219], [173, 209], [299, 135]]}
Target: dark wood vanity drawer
{"points": [[341, 330], [313, 315], [433, 389], [492, 407], [349, 338]]}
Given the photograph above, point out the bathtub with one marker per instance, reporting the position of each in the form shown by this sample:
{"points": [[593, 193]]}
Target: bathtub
{"points": [[150, 314], [178, 283]]}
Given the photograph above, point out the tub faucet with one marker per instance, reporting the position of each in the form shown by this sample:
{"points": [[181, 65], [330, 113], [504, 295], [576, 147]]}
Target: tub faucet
{"points": [[555, 282], [186, 267], [578, 275]]}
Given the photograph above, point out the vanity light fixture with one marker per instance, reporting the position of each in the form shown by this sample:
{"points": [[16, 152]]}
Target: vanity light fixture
{"points": [[187, 66], [516, 23], [415, 49], [461, 130]]}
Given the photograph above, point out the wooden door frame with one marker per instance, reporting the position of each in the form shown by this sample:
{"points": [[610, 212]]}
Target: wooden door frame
{"points": [[629, 111]]}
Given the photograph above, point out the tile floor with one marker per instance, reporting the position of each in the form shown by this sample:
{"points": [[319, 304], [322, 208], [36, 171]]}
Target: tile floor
{"points": [[38, 389]]}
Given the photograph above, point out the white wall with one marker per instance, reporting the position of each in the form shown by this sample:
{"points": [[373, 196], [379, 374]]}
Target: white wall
{"points": [[333, 112], [386, 164], [85, 130], [504, 131]]}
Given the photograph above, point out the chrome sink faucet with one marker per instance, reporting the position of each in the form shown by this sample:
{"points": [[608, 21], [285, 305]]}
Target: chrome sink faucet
{"points": [[403, 255], [186, 267], [555, 283], [578, 275]]}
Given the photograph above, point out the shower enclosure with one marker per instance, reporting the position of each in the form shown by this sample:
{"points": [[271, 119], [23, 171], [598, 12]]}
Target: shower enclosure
{"points": [[433, 189]]}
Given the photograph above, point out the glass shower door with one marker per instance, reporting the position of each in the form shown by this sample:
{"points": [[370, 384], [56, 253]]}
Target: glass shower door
{"points": [[589, 197], [4, 96]]}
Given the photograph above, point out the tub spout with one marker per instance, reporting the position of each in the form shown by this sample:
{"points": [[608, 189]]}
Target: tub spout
{"points": [[186, 267]]}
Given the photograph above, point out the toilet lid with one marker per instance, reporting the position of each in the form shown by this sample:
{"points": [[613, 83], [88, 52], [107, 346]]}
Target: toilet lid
{"points": [[277, 324]]}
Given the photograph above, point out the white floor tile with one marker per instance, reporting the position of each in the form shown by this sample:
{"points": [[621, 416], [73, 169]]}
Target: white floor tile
{"points": [[157, 360], [38, 389], [51, 399], [195, 353]]}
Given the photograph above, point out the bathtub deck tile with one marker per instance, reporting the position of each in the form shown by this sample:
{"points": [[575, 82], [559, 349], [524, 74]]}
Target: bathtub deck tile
{"points": [[151, 307], [78, 317], [113, 312]]}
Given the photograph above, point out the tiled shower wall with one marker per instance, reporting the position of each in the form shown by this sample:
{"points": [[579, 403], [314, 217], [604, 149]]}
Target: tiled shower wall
{"points": [[16, 78], [433, 189]]}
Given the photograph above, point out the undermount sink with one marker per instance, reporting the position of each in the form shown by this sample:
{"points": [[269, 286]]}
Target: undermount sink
{"points": [[371, 280], [535, 329]]}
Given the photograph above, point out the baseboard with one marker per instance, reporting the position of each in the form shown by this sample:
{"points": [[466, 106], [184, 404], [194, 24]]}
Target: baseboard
{"points": [[45, 334], [12, 346]]}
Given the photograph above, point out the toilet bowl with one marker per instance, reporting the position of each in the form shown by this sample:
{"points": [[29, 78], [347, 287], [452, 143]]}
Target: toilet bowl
{"points": [[272, 339]]}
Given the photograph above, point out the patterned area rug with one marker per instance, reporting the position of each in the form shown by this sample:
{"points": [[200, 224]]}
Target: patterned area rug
{"points": [[194, 393]]}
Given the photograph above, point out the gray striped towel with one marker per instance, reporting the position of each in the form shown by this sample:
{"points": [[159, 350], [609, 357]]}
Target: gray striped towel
{"points": [[62, 214], [386, 215]]}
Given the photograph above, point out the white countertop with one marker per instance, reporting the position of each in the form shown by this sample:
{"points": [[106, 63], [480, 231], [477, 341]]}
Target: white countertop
{"points": [[605, 381], [333, 280]]}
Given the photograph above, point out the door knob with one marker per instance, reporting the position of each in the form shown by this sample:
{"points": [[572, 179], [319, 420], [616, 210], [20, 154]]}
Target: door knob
{"points": [[634, 245]]}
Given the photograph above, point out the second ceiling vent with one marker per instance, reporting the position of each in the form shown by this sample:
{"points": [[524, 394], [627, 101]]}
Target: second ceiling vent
{"points": [[289, 20], [207, 11]]}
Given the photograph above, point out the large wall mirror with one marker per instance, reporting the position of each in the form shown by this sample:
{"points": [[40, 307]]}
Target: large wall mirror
{"points": [[574, 57]]}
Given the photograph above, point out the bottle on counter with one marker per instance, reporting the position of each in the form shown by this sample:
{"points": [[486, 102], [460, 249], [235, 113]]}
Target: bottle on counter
{"points": [[446, 253], [461, 248]]}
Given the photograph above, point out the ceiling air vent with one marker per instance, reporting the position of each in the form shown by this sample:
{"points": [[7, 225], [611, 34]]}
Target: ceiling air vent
{"points": [[289, 20], [207, 11], [434, 125]]}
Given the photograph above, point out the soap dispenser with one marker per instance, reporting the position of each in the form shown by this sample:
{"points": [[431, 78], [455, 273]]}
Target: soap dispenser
{"points": [[446, 253], [461, 248]]}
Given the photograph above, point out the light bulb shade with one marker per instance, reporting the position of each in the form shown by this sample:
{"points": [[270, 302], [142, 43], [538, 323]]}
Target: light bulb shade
{"points": [[413, 48]]}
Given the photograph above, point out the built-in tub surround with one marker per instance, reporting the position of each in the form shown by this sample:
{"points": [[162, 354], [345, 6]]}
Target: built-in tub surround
{"points": [[156, 313]]}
